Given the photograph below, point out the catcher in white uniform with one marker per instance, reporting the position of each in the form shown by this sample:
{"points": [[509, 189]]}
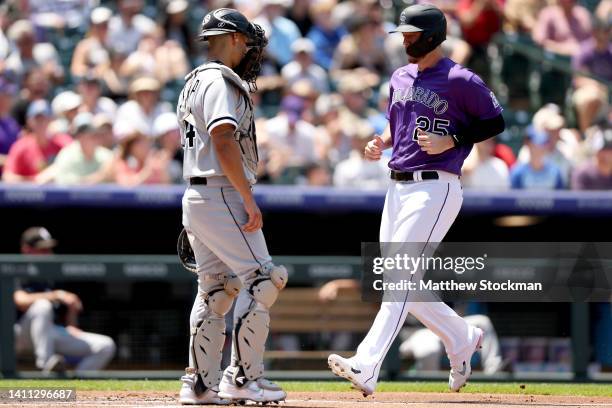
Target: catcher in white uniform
{"points": [[221, 219]]}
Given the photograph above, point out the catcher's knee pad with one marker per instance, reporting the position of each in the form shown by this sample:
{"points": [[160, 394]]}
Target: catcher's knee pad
{"points": [[220, 292], [269, 281]]}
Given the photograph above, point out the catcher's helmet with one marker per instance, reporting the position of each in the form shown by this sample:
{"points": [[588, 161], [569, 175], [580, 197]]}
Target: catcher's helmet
{"points": [[428, 20], [224, 21]]}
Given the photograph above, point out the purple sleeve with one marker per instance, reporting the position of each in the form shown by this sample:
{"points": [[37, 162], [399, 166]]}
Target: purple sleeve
{"points": [[478, 100], [388, 113]]}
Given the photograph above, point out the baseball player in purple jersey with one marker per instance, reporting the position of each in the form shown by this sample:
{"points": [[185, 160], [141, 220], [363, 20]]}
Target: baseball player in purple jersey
{"points": [[437, 111]]}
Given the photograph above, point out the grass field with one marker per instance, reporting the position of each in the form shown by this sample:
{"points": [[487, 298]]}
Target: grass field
{"points": [[557, 389]]}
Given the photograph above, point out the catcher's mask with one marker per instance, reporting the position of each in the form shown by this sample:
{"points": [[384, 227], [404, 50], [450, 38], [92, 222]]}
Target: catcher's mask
{"points": [[225, 21], [185, 252], [429, 21]]}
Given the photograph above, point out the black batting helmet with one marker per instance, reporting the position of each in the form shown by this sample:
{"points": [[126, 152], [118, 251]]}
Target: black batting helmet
{"points": [[224, 21], [429, 21]]}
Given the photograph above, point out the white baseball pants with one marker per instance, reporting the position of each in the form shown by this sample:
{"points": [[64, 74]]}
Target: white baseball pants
{"points": [[420, 211]]}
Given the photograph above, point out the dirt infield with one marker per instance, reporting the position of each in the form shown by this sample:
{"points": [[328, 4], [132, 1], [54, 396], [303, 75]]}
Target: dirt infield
{"points": [[344, 400]]}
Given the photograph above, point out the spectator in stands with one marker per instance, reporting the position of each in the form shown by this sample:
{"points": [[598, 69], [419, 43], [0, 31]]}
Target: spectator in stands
{"points": [[176, 27], [325, 33], [156, 57], [126, 29], [375, 14], [36, 148], [356, 88], [115, 84], [142, 62], [539, 173], [563, 146], [604, 10], [303, 67], [171, 61], [57, 14], [168, 139], [5, 46], [378, 119], [562, 27], [356, 171], [591, 143], [594, 57], [139, 164], [47, 321], [290, 139], [281, 31], [596, 174], [299, 13], [360, 49], [482, 170], [29, 54], [480, 20], [140, 112], [104, 128], [84, 161], [317, 174], [522, 15], [332, 140], [505, 153], [90, 53], [305, 89], [65, 107], [90, 90], [35, 86], [9, 128], [270, 85]]}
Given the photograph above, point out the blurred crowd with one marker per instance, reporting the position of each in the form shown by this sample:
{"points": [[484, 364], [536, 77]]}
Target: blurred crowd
{"points": [[88, 89]]}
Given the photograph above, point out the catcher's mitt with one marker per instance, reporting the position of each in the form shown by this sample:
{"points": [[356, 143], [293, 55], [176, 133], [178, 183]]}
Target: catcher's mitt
{"points": [[185, 252]]}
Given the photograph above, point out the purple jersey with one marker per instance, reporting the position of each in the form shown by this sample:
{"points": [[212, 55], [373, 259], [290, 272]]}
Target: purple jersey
{"points": [[441, 99]]}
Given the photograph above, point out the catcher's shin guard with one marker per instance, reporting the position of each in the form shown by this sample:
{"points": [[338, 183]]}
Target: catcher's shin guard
{"points": [[208, 334], [253, 318]]}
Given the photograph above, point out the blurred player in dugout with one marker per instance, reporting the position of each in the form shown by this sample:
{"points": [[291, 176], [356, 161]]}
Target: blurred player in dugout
{"points": [[47, 320]]}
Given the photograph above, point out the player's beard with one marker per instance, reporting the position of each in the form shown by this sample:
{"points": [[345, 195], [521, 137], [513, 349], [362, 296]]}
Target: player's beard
{"points": [[411, 59]]}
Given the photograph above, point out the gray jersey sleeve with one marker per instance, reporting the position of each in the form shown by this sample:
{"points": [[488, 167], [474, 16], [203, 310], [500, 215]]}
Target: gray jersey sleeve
{"points": [[220, 103]]}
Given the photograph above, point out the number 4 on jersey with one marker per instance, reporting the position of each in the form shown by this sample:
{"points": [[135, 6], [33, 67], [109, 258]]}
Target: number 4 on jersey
{"points": [[440, 126], [189, 134]]}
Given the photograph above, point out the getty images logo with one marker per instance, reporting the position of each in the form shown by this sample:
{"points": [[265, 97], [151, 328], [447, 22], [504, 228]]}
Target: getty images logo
{"points": [[414, 264]]}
